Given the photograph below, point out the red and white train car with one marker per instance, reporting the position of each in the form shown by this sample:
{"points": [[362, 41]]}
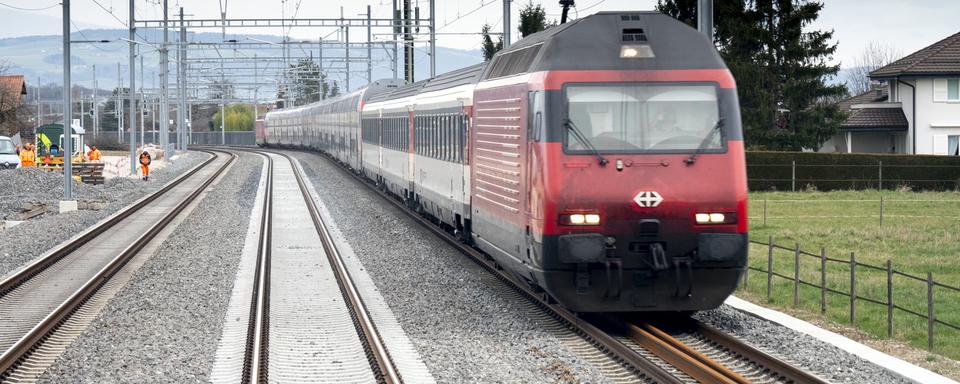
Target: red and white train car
{"points": [[601, 160]]}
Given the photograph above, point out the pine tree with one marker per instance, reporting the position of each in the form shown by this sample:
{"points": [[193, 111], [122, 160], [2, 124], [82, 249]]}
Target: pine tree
{"points": [[780, 69], [489, 48], [334, 90], [533, 19]]}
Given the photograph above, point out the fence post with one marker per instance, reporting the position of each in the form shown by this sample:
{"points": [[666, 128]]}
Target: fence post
{"points": [[853, 288], [769, 266], [764, 212], [823, 280], [793, 176], [930, 318], [796, 276], [889, 298], [880, 175], [881, 211]]}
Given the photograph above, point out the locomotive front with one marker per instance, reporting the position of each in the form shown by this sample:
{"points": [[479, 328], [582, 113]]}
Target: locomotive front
{"points": [[637, 175]]}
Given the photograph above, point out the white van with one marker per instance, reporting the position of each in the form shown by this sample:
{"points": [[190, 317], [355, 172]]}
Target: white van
{"points": [[8, 154]]}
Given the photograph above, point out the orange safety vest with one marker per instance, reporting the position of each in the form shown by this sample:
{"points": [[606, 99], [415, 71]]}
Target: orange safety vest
{"points": [[93, 155], [28, 158]]}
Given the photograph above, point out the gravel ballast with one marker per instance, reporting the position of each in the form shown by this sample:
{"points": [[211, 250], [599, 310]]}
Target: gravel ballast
{"points": [[164, 325], [827, 361], [466, 325], [22, 243]]}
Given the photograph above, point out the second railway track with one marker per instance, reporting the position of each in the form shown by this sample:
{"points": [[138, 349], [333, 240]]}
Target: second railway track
{"points": [[297, 331], [40, 297]]}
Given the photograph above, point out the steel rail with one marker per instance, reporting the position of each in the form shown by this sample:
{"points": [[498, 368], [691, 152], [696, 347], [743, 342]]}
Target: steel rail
{"points": [[385, 370], [256, 356], [681, 356], [600, 339], [784, 369], [23, 347]]}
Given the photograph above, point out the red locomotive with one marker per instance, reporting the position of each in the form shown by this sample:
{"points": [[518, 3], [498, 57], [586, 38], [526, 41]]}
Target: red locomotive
{"points": [[601, 160]]}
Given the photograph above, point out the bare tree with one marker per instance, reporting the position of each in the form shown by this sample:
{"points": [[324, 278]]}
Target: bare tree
{"points": [[874, 55]]}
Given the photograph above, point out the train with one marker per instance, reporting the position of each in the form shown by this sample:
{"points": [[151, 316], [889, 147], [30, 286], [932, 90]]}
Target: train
{"points": [[601, 161]]}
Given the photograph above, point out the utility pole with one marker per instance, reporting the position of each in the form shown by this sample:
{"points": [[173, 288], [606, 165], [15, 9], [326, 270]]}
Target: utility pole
{"points": [[407, 43], [346, 50], [132, 92], [370, 47], [67, 128], [433, 39], [705, 18], [319, 65], [39, 108], [164, 83], [96, 112], [506, 23], [143, 106], [118, 108], [396, 32], [223, 83], [566, 4], [256, 87], [81, 108], [181, 85]]}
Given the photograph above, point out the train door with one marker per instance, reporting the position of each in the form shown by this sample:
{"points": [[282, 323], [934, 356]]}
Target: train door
{"points": [[534, 183]]}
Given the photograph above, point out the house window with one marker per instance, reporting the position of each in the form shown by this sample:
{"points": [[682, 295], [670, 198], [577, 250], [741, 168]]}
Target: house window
{"points": [[953, 145], [953, 89]]}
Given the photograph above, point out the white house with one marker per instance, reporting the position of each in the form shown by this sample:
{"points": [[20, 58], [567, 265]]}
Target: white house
{"points": [[917, 110], [927, 86]]}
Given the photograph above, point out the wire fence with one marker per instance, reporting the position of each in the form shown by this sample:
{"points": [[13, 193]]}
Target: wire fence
{"points": [[866, 212], [796, 176], [859, 284]]}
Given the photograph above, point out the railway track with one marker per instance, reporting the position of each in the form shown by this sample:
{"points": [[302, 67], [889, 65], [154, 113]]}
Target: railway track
{"points": [[708, 355], [698, 353], [295, 333], [43, 298]]}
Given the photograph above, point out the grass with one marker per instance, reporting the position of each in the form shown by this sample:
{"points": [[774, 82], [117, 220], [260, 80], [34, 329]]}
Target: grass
{"points": [[920, 234]]}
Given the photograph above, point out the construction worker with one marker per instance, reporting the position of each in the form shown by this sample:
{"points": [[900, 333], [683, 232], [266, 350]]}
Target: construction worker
{"points": [[145, 164], [94, 154], [28, 156]]}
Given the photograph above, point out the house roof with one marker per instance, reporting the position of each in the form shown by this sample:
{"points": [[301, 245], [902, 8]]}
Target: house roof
{"points": [[875, 119], [14, 83], [876, 95], [11, 88], [940, 58]]}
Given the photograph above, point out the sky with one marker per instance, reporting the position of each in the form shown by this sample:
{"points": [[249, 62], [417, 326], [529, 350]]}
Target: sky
{"points": [[907, 25]]}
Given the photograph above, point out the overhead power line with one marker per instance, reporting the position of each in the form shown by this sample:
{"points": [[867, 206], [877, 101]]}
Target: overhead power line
{"points": [[29, 9]]}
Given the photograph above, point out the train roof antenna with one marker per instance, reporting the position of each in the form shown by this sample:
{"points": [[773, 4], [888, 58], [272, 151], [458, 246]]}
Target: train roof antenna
{"points": [[566, 4]]}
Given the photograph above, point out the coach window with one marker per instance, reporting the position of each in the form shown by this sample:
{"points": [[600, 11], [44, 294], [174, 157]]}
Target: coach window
{"points": [[433, 139], [448, 131], [442, 147], [417, 123], [448, 138]]}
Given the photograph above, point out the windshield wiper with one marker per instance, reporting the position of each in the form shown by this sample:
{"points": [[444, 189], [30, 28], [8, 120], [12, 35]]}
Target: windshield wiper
{"points": [[583, 139], [718, 127]]}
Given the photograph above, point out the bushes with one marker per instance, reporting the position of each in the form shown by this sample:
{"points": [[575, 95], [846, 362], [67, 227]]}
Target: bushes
{"points": [[831, 171]]}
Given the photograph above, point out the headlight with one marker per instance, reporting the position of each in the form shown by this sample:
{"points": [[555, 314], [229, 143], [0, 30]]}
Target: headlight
{"points": [[580, 219], [636, 51], [716, 218]]}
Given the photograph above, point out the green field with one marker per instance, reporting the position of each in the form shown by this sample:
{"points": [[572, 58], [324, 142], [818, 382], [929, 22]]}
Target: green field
{"points": [[920, 233]]}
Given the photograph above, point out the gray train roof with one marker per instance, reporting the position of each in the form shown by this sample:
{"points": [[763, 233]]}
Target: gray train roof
{"points": [[594, 42], [455, 78]]}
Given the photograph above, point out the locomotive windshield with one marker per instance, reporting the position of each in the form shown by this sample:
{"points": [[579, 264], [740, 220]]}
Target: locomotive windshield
{"points": [[642, 118]]}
